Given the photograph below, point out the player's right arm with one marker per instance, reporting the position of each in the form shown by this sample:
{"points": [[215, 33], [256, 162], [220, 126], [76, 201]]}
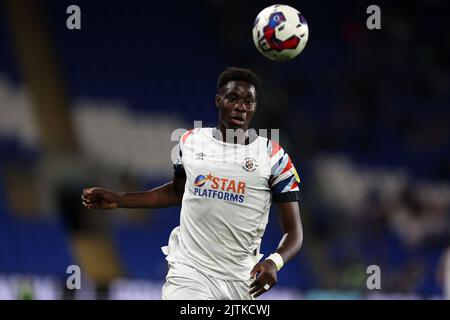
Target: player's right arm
{"points": [[167, 195]]}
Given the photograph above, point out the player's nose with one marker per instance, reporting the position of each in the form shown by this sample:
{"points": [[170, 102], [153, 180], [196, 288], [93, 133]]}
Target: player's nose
{"points": [[240, 105]]}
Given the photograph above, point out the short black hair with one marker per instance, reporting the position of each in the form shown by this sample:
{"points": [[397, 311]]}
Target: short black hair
{"points": [[238, 74]]}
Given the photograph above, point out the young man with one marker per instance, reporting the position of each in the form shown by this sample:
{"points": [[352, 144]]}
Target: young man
{"points": [[225, 179]]}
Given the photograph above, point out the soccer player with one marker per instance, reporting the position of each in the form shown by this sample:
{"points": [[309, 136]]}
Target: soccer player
{"points": [[225, 179]]}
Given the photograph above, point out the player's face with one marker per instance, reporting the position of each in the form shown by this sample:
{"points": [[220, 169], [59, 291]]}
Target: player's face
{"points": [[236, 102]]}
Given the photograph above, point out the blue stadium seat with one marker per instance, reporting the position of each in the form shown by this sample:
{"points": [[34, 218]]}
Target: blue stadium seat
{"points": [[37, 247], [139, 246]]}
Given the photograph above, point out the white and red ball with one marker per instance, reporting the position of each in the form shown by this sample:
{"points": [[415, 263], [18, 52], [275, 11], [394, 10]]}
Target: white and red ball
{"points": [[280, 32]]}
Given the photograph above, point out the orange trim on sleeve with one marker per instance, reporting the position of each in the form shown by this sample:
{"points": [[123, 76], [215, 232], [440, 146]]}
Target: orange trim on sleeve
{"points": [[275, 148], [186, 135], [288, 166], [294, 185]]}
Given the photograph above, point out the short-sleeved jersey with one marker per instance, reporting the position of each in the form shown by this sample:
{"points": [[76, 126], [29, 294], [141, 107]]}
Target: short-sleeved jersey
{"points": [[228, 193]]}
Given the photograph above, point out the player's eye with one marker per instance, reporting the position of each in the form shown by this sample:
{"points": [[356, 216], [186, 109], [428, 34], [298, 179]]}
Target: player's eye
{"points": [[231, 99]]}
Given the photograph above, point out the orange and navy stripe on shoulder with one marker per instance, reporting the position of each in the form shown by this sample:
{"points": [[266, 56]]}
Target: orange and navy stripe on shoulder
{"points": [[287, 184], [283, 176]]}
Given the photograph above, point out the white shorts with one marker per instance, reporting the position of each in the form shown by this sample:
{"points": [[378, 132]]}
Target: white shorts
{"points": [[186, 283]]}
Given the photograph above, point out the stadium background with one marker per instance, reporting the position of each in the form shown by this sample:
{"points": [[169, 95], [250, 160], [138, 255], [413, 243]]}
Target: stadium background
{"points": [[364, 115]]}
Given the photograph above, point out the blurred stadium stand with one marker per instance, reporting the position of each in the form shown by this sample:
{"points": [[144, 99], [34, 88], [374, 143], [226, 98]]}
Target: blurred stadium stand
{"points": [[364, 115]]}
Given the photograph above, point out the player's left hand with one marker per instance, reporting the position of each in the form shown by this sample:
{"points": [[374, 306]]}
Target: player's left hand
{"points": [[266, 277]]}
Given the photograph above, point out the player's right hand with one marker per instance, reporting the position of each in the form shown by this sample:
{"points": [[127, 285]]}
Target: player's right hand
{"points": [[99, 198]]}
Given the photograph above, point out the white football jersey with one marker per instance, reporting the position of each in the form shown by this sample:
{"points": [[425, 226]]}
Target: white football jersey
{"points": [[228, 192]]}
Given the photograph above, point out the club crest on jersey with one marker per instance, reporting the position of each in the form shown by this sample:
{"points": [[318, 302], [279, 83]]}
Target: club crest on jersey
{"points": [[249, 164]]}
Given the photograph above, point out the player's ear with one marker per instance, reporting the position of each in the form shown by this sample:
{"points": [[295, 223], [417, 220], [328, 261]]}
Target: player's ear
{"points": [[217, 99]]}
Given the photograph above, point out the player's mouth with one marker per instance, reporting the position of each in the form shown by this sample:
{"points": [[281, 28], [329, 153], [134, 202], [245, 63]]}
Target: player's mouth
{"points": [[238, 121]]}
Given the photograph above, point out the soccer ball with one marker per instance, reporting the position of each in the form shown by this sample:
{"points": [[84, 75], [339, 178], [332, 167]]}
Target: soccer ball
{"points": [[280, 32]]}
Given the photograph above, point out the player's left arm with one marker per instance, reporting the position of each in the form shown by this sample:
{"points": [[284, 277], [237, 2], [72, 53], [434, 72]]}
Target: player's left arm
{"points": [[291, 224], [289, 246], [284, 183]]}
